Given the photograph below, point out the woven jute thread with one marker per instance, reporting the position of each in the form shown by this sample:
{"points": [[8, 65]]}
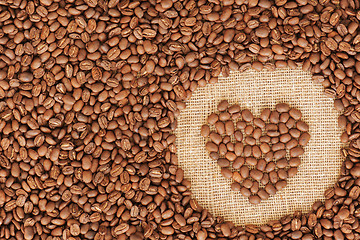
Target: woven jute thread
{"points": [[321, 161]]}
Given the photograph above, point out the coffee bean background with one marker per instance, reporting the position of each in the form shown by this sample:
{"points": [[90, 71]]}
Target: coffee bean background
{"points": [[90, 91]]}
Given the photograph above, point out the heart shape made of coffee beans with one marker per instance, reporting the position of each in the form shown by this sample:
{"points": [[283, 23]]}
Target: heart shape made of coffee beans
{"points": [[259, 154]]}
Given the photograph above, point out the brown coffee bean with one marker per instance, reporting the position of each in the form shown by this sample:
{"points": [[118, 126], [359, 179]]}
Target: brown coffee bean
{"points": [[282, 107], [284, 117], [294, 162], [29, 232], [248, 130], [224, 116], [26, 77], [250, 141], [274, 117], [270, 189], [234, 109], [213, 118], [237, 177], [256, 174], [225, 229], [245, 192], [262, 32], [238, 136], [257, 133], [283, 174], [355, 171], [205, 131], [244, 172], [241, 125], [302, 126], [290, 123], [295, 114], [251, 161], [282, 163], [167, 230], [223, 105], [265, 114], [215, 138], [229, 128], [226, 173], [223, 162], [254, 199], [238, 162], [211, 147], [291, 144], [296, 152], [235, 186], [220, 127], [247, 115], [230, 156], [304, 139], [294, 133], [265, 148], [259, 123], [75, 230], [280, 185]]}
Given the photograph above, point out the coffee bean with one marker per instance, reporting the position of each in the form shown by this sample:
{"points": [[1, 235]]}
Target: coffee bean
{"points": [[302, 126], [270, 189], [205, 131], [297, 151], [295, 114], [213, 118], [355, 171], [262, 32], [229, 128], [223, 162], [245, 192], [226, 173], [254, 199], [247, 115], [280, 185], [304, 139], [215, 138], [225, 229], [259, 123], [29, 232], [220, 127], [211, 147], [256, 174], [274, 117], [294, 162], [223, 105], [265, 114], [282, 107], [235, 186], [292, 172], [238, 162], [234, 109]]}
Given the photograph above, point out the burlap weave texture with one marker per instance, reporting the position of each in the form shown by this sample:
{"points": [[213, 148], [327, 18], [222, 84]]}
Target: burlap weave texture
{"points": [[321, 161]]}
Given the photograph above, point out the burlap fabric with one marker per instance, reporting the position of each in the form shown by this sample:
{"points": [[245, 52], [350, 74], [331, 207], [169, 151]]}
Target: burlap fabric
{"points": [[321, 161]]}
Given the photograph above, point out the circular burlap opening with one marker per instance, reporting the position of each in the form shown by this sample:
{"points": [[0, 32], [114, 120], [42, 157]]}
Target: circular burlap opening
{"points": [[320, 167]]}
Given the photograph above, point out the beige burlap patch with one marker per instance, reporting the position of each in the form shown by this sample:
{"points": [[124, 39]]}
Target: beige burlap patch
{"points": [[321, 161]]}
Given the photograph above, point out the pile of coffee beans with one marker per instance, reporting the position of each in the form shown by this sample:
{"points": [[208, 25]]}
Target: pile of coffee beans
{"points": [[90, 91], [259, 154]]}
